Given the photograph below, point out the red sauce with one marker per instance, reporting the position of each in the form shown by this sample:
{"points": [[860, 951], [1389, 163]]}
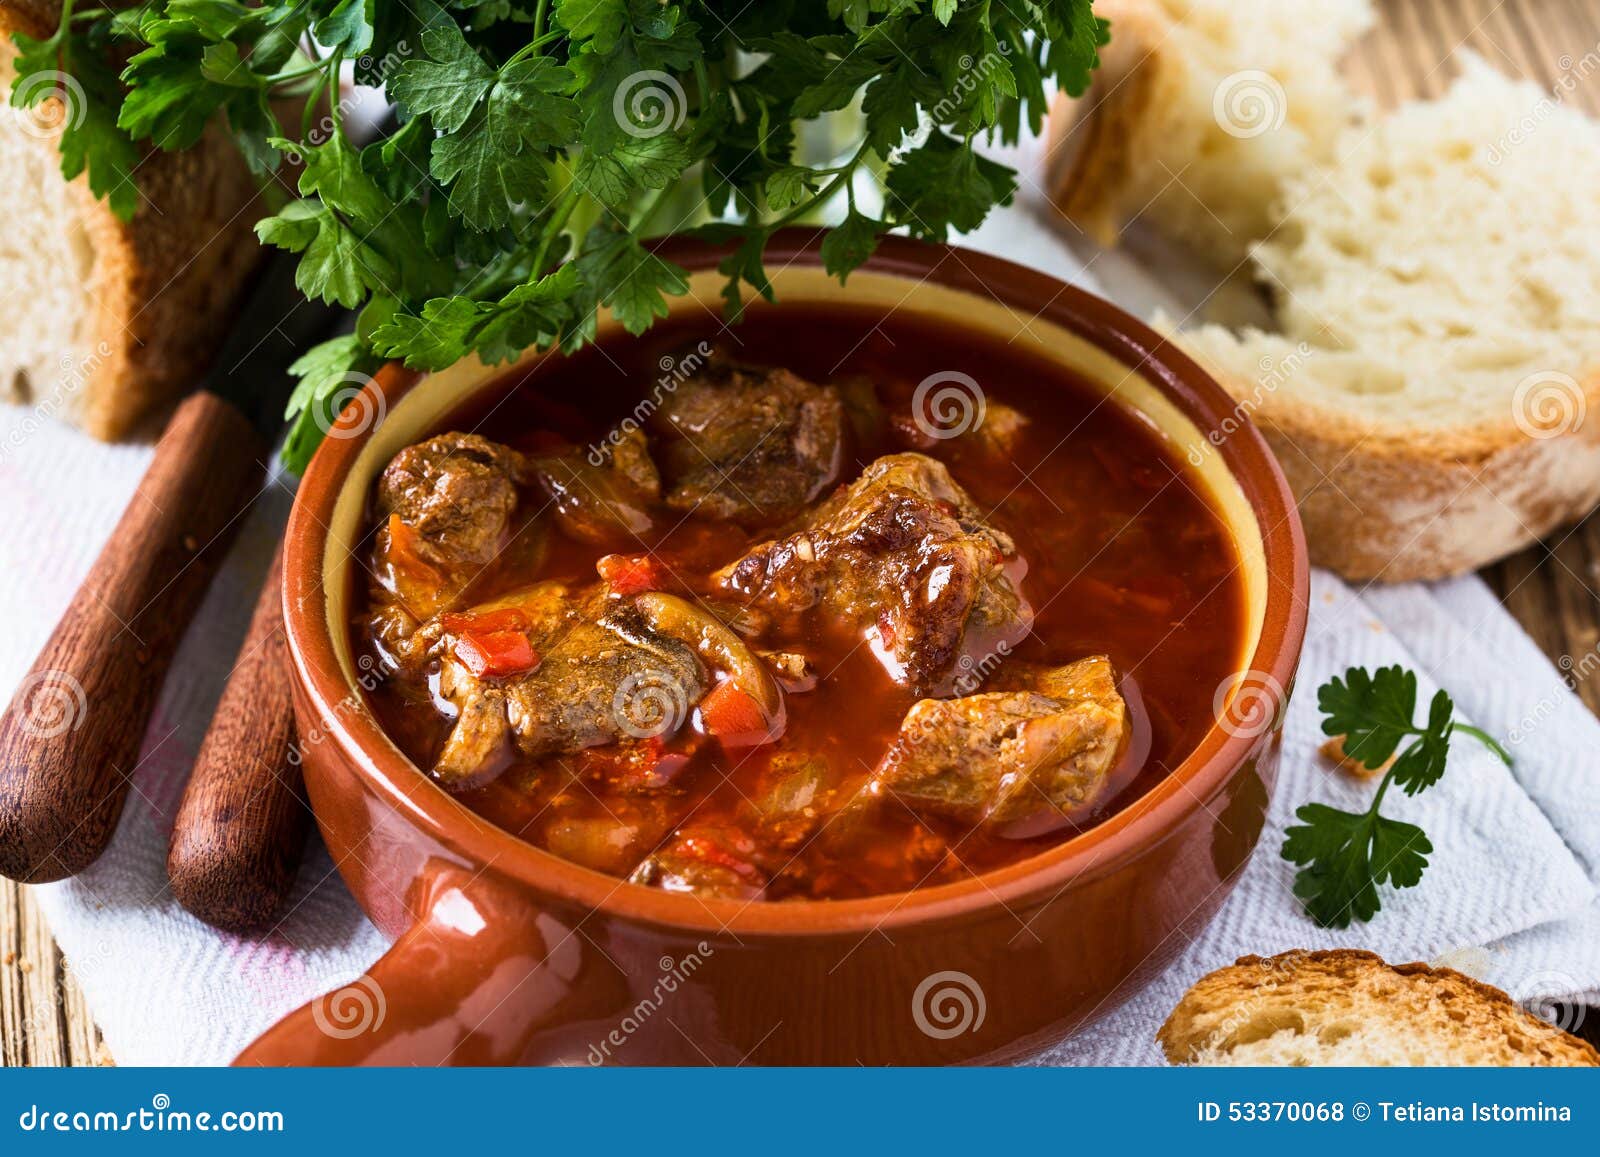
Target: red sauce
{"points": [[1125, 556]]}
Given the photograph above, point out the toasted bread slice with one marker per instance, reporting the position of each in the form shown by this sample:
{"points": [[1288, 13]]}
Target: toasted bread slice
{"points": [[1199, 112], [106, 321], [1350, 1008]]}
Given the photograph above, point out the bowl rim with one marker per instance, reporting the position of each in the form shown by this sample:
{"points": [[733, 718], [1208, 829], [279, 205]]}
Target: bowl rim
{"points": [[1142, 824]]}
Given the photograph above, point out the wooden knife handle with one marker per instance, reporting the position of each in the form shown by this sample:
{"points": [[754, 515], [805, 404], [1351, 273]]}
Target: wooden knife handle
{"points": [[242, 825], [70, 740]]}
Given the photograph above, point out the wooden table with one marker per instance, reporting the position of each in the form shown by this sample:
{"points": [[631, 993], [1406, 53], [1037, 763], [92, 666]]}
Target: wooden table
{"points": [[1551, 589]]}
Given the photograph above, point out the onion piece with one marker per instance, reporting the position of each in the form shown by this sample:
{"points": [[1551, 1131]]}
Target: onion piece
{"points": [[714, 642]]}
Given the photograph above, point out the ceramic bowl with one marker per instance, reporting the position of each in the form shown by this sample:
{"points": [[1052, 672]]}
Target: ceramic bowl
{"points": [[505, 954]]}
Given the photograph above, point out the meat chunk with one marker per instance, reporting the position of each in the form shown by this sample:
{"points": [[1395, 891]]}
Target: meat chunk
{"points": [[602, 496], [457, 492], [904, 553], [603, 675], [747, 446], [1046, 740], [713, 864], [991, 430], [448, 506]]}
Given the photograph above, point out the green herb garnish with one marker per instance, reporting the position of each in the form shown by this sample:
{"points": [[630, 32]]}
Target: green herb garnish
{"points": [[1346, 855], [540, 143]]}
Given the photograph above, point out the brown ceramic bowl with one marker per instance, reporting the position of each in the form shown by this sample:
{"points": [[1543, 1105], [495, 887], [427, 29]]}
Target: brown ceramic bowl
{"points": [[505, 954]]}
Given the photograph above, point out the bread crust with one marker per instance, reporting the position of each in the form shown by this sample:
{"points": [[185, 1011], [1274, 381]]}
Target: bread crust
{"points": [[1389, 504], [1481, 1007], [1093, 140], [167, 283]]}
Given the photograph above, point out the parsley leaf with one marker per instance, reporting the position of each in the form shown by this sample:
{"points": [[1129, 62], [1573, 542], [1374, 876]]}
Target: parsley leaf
{"points": [[1344, 856], [539, 144], [447, 83]]}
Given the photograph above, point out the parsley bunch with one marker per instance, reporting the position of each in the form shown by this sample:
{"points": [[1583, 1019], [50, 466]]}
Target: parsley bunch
{"points": [[1346, 855], [540, 143]]}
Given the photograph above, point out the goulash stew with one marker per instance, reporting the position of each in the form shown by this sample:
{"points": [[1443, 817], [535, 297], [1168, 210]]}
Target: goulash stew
{"points": [[821, 606]]}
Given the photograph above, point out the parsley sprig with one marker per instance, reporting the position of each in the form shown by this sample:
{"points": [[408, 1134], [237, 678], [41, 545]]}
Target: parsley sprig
{"points": [[541, 143], [1346, 855]]}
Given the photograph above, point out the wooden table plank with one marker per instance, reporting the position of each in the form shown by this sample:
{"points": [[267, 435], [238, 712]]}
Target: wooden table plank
{"points": [[43, 1017]]}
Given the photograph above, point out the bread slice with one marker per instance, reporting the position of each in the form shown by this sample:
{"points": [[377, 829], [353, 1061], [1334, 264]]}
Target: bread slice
{"points": [[106, 321], [1350, 1008], [1433, 385], [1199, 112]]}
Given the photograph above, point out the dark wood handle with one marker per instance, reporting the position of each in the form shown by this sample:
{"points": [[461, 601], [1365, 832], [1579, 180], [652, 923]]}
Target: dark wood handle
{"points": [[242, 825], [70, 740]]}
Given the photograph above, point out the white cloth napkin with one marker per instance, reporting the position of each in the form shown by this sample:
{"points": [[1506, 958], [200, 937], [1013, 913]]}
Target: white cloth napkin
{"points": [[1510, 892]]}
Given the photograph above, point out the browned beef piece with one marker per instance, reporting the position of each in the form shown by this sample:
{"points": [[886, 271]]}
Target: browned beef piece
{"points": [[602, 497], [457, 491], [447, 507], [752, 447], [903, 552], [710, 863], [992, 432], [604, 676], [1047, 739]]}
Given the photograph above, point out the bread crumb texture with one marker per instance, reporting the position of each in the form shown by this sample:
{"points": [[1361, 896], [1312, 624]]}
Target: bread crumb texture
{"points": [[1347, 1007], [1436, 360], [105, 322]]}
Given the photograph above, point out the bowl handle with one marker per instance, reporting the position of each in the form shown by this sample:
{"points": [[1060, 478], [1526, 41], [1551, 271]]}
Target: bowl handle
{"points": [[478, 977]]}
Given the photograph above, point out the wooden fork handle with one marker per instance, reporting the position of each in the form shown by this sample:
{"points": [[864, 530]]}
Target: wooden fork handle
{"points": [[241, 828], [70, 740]]}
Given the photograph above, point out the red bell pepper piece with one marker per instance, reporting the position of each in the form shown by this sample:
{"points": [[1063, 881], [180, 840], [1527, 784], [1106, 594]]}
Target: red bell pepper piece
{"points": [[479, 622], [630, 574], [496, 654]]}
